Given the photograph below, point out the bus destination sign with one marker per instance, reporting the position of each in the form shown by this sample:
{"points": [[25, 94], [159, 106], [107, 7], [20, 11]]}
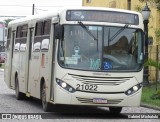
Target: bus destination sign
{"points": [[102, 16]]}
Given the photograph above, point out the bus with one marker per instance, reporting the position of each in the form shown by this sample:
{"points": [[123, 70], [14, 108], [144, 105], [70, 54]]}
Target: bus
{"points": [[86, 56]]}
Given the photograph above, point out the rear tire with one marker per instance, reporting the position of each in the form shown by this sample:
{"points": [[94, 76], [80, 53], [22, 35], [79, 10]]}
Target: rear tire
{"points": [[19, 95], [46, 106], [115, 110]]}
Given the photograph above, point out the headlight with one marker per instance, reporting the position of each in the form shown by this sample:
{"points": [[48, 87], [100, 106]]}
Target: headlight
{"points": [[65, 85], [133, 89]]}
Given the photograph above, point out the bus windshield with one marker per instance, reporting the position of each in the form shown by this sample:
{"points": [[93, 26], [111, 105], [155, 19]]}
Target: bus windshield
{"points": [[114, 49]]}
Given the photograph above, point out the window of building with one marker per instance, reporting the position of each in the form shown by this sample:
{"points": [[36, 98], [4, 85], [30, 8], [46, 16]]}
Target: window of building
{"points": [[129, 4], [89, 1], [112, 4]]}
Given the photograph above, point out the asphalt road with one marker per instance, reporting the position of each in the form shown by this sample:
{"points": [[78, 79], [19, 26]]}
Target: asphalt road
{"points": [[9, 104]]}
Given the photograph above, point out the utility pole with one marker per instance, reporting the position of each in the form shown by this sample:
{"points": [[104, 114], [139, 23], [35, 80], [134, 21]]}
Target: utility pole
{"points": [[33, 9]]}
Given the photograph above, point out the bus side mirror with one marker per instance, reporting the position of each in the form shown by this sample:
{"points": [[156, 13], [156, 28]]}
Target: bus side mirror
{"points": [[59, 31]]}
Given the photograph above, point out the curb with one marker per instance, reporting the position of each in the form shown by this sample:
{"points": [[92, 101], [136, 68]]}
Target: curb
{"points": [[151, 107]]}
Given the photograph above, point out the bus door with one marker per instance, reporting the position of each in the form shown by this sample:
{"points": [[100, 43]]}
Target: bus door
{"points": [[53, 62], [11, 60], [31, 31]]}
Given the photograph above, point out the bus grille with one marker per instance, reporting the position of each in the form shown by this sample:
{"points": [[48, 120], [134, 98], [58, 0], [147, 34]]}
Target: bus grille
{"points": [[101, 80], [90, 101]]}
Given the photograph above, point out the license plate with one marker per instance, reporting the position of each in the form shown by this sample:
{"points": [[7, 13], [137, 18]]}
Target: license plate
{"points": [[99, 100]]}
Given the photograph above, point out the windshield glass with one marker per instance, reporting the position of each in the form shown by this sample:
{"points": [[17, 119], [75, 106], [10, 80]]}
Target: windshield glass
{"points": [[101, 48]]}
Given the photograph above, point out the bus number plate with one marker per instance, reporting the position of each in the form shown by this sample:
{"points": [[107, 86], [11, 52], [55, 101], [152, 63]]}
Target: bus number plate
{"points": [[86, 87], [99, 100]]}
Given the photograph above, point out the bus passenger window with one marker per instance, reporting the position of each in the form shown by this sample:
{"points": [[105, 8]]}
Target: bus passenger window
{"points": [[17, 39], [45, 44], [38, 37], [24, 30], [16, 47], [8, 39], [38, 28], [22, 47], [47, 27], [37, 46]]}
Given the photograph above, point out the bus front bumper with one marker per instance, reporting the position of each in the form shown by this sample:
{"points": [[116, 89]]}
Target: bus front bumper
{"points": [[96, 99]]}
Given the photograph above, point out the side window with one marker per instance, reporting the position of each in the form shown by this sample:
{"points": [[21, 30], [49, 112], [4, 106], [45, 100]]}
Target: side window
{"points": [[47, 27], [24, 30], [17, 40], [18, 32], [46, 35], [8, 39], [23, 40], [39, 26], [38, 36]]}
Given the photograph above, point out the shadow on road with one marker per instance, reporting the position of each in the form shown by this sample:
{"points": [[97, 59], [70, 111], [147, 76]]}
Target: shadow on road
{"points": [[71, 112]]}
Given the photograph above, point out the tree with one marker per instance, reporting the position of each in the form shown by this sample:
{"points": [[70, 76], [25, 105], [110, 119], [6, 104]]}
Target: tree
{"points": [[7, 21], [154, 3]]}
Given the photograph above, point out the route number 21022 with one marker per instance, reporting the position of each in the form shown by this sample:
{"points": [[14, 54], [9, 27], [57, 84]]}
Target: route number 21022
{"points": [[86, 87]]}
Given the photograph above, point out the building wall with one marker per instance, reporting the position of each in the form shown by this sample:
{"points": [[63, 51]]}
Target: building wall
{"points": [[106, 3], [136, 5]]}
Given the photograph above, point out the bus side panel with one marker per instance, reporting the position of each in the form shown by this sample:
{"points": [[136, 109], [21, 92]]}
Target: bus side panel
{"points": [[34, 70], [22, 61], [15, 68], [45, 69]]}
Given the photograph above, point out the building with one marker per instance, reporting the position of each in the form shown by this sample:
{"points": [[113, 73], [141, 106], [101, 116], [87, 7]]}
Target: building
{"points": [[2, 36], [137, 5]]}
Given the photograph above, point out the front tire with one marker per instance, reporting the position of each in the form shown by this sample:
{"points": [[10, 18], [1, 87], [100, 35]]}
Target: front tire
{"points": [[115, 110], [19, 95], [46, 106]]}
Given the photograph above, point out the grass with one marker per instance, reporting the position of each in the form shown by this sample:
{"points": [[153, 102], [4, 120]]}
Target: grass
{"points": [[148, 93]]}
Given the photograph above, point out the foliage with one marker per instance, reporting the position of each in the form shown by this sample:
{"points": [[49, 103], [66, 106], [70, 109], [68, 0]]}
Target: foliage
{"points": [[154, 3], [148, 93], [156, 95], [7, 21], [138, 8], [157, 33], [153, 63]]}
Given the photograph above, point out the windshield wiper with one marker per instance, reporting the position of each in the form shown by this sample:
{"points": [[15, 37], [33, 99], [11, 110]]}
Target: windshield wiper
{"points": [[85, 28], [118, 32]]}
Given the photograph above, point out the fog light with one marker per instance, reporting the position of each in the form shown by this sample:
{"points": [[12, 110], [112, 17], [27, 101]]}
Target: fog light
{"points": [[129, 92], [70, 89], [64, 85], [135, 88]]}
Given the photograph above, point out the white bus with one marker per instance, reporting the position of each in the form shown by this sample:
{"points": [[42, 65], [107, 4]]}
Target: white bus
{"points": [[77, 56]]}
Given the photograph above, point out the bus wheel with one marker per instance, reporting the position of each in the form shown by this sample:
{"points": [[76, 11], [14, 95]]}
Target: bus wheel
{"points": [[19, 95], [46, 106], [115, 110]]}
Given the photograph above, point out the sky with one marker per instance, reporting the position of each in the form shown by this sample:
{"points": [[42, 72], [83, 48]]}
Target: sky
{"points": [[24, 7]]}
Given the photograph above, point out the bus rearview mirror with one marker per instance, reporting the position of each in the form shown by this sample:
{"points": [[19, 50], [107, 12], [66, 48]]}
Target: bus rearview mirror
{"points": [[59, 31]]}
